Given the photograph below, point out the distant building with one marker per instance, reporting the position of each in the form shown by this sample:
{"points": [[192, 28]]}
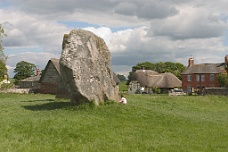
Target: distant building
{"points": [[143, 81], [31, 82], [199, 76], [51, 80]]}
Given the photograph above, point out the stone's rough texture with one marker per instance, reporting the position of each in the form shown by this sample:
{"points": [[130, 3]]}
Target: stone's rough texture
{"points": [[85, 68]]}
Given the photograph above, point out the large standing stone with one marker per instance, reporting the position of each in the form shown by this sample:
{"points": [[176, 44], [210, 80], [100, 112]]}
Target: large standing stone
{"points": [[85, 67]]}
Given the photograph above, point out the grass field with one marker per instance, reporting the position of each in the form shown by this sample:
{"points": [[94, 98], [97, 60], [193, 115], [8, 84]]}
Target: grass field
{"points": [[35, 123]]}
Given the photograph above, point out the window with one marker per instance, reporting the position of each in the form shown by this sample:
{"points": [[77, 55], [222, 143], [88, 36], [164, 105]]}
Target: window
{"points": [[212, 77], [197, 77], [189, 88], [189, 78], [202, 77]]}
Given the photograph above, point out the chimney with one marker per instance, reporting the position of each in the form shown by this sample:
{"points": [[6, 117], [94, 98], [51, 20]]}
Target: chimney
{"points": [[190, 62], [38, 72], [226, 59], [143, 68]]}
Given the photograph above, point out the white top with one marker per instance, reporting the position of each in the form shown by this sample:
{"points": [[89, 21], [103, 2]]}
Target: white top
{"points": [[123, 100]]}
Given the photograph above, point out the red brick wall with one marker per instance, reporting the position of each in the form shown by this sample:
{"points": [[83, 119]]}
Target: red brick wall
{"points": [[195, 84]]}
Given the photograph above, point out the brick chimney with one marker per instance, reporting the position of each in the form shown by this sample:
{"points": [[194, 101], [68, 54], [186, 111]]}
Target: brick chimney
{"points": [[190, 62], [226, 59]]}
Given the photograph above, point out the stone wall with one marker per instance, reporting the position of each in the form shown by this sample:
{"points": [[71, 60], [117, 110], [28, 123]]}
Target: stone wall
{"points": [[216, 91], [16, 90]]}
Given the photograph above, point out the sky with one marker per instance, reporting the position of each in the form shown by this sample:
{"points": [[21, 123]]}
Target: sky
{"points": [[135, 31]]}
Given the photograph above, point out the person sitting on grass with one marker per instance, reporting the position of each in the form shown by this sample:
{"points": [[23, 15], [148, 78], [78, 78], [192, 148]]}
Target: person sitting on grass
{"points": [[123, 100]]}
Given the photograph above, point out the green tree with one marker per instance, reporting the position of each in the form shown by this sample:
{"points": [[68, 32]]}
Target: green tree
{"points": [[145, 65], [160, 67], [2, 34], [24, 70], [223, 80], [122, 78], [3, 70]]}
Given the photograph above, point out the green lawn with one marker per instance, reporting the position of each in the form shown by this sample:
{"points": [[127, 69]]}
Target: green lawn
{"points": [[35, 123]]}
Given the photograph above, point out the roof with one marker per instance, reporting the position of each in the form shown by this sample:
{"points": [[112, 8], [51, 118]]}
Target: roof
{"points": [[116, 79], [205, 68], [56, 64], [31, 79], [167, 80], [151, 78]]}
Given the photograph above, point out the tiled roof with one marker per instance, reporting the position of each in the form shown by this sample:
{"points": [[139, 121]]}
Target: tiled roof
{"points": [[205, 68], [56, 64], [31, 79]]}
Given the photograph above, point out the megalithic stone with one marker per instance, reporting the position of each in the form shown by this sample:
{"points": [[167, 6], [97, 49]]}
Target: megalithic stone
{"points": [[86, 69]]}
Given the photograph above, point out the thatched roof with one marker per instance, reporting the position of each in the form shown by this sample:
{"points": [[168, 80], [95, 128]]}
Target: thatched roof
{"points": [[151, 78]]}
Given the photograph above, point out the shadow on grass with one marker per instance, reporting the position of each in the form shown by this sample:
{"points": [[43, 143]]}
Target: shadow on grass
{"points": [[50, 106], [39, 100]]}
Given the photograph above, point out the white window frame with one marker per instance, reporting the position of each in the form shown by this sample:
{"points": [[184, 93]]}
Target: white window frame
{"points": [[212, 77], [202, 78], [197, 78], [189, 78]]}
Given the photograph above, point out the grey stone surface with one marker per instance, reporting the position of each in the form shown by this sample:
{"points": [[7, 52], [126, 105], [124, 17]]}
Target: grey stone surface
{"points": [[85, 68]]}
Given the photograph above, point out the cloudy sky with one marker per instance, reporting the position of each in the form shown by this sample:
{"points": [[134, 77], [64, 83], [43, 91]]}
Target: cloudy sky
{"points": [[134, 30]]}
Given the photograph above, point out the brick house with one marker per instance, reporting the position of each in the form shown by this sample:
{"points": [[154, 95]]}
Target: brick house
{"points": [[199, 76]]}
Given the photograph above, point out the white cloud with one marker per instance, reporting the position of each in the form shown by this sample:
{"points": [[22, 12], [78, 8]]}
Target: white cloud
{"points": [[158, 30], [39, 59], [25, 30], [192, 22]]}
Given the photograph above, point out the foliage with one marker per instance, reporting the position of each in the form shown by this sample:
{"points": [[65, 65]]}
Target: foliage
{"points": [[161, 67], [121, 77], [6, 85], [2, 34], [23, 70], [156, 90], [147, 123], [223, 80], [3, 70]]}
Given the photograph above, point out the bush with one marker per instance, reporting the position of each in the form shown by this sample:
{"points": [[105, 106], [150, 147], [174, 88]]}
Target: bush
{"points": [[223, 80], [156, 90]]}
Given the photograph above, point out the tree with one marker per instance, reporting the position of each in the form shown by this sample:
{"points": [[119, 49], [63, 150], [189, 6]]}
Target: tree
{"points": [[160, 67], [122, 78], [3, 70], [24, 70], [2, 34], [223, 80]]}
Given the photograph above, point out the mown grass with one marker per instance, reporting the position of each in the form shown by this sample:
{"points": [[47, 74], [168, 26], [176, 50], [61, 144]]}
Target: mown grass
{"points": [[37, 123]]}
